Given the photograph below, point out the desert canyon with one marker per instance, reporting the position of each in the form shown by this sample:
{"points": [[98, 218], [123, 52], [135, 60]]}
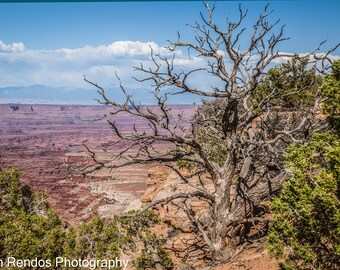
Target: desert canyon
{"points": [[46, 142]]}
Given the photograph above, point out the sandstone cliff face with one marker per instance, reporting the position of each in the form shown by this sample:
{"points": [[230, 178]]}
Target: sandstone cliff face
{"points": [[163, 182]]}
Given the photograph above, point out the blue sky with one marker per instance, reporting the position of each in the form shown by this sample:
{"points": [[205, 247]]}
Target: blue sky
{"points": [[72, 25], [32, 35]]}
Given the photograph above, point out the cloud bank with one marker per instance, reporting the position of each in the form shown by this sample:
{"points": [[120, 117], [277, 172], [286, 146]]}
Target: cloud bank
{"points": [[65, 67]]}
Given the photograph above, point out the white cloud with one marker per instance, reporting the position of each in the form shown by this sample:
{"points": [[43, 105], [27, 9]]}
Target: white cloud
{"points": [[118, 48], [132, 48], [12, 48]]}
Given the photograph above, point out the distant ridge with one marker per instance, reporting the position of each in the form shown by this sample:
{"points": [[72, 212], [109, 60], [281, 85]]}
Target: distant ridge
{"points": [[50, 95]]}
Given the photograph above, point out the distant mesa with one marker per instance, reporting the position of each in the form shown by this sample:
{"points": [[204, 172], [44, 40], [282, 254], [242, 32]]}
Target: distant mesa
{"points": [[14, 107], [53, 95]]}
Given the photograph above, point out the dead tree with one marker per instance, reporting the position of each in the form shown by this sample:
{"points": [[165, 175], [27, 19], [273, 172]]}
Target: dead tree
{"points": [[251, 129]]}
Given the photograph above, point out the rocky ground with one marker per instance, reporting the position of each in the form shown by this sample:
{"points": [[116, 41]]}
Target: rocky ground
{"points": [[184, 247]]}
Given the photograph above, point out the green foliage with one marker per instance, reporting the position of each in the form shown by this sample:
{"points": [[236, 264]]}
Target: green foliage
{"points": [[331, 90], [70, 242], [306, 227], [210, 135], [145, 260], [99, 239], [30, 229], [291, 85], [208, 132]]}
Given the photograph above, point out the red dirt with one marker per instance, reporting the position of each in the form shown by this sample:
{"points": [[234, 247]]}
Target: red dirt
{"points": [[251, 259]]}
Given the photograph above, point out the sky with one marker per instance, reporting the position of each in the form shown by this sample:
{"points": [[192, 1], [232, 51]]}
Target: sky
{"points": [[54, 44]]}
